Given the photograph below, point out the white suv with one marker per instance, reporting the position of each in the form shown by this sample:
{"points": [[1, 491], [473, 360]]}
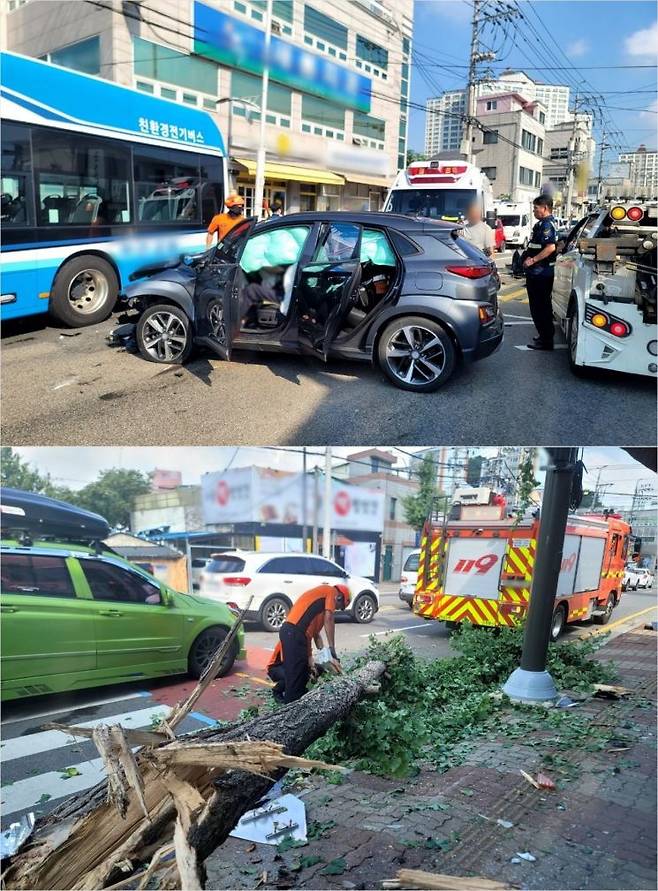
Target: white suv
{"points": [[276, 580]]}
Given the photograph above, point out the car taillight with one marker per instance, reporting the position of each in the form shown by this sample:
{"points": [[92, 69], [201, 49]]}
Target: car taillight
{"points": [[239, 580], [470, 271], [619, 329], [486, 313]]}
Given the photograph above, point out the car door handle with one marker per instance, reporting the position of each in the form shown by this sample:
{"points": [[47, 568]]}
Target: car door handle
{"points": [[287, 581], [8, 609], [110, 612]]}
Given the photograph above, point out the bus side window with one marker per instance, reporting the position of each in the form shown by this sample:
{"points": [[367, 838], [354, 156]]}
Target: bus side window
{"points": [[208, 203]]}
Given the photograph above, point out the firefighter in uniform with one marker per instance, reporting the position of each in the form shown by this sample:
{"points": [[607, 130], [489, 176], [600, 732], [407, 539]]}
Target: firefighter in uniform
{"points": [[539, 269], [292, 663]]}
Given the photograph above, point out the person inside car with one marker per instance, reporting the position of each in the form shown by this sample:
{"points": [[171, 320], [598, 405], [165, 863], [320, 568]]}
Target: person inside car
{"points": [[292, 663]]}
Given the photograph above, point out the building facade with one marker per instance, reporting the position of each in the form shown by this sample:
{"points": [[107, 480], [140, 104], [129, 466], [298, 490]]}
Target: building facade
{"points": [[510, 151], [338, 87], [398, 537], [643, 172], [444, 121], [569, 151]]}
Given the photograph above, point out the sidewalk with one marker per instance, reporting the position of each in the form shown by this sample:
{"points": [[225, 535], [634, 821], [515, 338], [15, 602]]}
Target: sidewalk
{"points": [[596, 831]]}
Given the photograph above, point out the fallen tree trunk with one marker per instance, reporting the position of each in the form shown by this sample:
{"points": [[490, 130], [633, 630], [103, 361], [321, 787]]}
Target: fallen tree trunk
{"points": [[84, 843]]}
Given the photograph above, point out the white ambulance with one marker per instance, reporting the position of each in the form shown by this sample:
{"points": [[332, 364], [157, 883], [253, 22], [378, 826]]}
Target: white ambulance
{"points": [[517, 220], [441, 189]]}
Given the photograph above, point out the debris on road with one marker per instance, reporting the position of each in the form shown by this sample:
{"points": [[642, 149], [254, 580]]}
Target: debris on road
{"points": [[610, 691], [417, 878]]}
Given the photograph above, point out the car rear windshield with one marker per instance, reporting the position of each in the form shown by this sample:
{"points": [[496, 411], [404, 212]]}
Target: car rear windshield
{"points": [[412, 563], [224, 563], [510, 221]]}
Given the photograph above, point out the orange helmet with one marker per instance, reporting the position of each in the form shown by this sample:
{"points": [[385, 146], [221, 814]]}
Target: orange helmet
{"points": [[345, 591], [235, 201]]}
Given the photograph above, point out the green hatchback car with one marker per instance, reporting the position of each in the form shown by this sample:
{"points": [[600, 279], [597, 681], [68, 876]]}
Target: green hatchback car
{"points": [[76, 617]]}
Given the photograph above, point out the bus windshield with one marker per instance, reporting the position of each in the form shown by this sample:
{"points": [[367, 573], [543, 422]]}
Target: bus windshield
{"points": [[436, 204]]}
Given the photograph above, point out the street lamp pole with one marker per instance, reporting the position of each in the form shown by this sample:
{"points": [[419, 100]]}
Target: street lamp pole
{"points": [[531, 683], [259, 187]]}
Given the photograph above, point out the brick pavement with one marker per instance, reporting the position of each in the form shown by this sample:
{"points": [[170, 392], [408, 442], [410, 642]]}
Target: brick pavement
{"points": [[596, 831]]}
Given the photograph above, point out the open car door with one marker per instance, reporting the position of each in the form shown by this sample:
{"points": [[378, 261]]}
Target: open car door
{"points": [[216, 291], [326, 284]]}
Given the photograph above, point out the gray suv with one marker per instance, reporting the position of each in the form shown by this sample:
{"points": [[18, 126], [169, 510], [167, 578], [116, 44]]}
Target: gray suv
{"points": [[410, 295]]}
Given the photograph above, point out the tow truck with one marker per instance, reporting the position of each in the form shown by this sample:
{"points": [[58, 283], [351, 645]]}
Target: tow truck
{"points": [[604, 293], [476, 565], [441, 188]]}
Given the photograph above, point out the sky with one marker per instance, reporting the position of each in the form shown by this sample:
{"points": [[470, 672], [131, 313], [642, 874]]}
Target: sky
{"points": [[590, 33], [74, 467]]}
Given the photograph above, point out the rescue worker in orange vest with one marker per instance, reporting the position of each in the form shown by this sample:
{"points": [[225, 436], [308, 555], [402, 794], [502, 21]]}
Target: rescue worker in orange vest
{"points": [[222, 223], [292, 664]]}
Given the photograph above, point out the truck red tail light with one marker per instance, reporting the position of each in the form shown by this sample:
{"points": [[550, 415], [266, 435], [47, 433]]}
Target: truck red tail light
{"points": [[604, 321], [634, 214], [619, 329], [237, 580], [470, 271]]}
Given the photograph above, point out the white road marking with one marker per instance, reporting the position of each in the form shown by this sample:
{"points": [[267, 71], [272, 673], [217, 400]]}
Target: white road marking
{"points": [[510, 315], [26, 793], [558, 346], [47, 740], [527, 322], [395, 630], [59, 711]]}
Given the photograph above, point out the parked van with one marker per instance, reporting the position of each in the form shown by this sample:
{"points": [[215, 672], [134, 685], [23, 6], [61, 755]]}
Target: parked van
{"points": [[517, 220]]}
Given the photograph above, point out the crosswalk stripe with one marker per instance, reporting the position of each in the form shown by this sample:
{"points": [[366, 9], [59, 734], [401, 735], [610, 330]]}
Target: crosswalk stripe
{"points": [[47, 740], [26, 793]]}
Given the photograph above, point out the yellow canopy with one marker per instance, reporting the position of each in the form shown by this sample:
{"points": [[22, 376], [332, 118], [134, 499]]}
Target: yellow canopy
{"points": [[292, 172]]}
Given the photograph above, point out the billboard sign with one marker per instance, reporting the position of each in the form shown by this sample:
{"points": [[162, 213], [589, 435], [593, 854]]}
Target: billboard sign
{"points": [[237, 44], [259, 495]]}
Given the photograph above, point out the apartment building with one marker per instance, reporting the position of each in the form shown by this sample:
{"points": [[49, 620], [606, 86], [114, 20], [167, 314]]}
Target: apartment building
{"points": [[444, 124], [643, 171], [339, 80], [569, 150], [510, 150]]}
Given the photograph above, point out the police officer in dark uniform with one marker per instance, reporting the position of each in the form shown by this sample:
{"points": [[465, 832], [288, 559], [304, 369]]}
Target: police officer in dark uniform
{"points": [[539, 268]]}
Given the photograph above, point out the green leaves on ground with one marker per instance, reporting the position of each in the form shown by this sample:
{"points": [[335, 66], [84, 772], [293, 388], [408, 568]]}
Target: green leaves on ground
{"points": [[429, 710], [335, 867], [69, 772]]}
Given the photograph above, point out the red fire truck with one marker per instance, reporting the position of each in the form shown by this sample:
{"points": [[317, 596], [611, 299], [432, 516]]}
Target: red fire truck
{"points": [[480, 570]]}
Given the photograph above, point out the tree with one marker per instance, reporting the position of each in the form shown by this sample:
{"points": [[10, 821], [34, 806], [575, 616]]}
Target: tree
{"points": [[474, 471], [18, 474], [415, 156], [112, 494], [417, 507]]}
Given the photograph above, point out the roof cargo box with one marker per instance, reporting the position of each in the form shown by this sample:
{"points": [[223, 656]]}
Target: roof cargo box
{"points": [[40, 516]]}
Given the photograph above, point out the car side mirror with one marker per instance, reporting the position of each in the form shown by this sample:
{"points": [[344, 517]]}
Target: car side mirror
{"points": [[166, 598]]}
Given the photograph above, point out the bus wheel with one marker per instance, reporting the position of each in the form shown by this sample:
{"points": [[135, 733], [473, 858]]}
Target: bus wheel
{"points": [[558, 623], [609, 606], [84, 291]]}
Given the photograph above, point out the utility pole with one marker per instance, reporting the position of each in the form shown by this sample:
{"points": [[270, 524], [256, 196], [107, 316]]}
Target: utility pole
{"points": [[503, 14], [467, 140], [259, 187], [599, 178], [570, 158], [531, 683], [326, 523], [316, 507], [304, 500]]}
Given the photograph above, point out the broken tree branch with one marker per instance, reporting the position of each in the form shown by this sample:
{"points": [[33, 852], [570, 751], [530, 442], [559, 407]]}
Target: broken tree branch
{"points": [[80, 844]]}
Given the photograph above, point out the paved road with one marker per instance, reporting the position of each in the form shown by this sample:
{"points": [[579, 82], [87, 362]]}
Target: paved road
{"points": [[35, 761], [65, 387]]}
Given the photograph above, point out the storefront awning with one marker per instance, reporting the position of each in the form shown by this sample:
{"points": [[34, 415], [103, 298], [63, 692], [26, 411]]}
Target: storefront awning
{"points": [[293, 172], [381, 182]]}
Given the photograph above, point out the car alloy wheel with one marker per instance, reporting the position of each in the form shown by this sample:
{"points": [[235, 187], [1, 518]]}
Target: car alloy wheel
{"points": [[275, 614], [216, 319], [415, 355], [164, 336], [364, 609], [204, 649]]}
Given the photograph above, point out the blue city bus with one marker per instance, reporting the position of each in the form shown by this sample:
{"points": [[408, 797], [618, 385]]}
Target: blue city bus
{"points": [[97, 180]]}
